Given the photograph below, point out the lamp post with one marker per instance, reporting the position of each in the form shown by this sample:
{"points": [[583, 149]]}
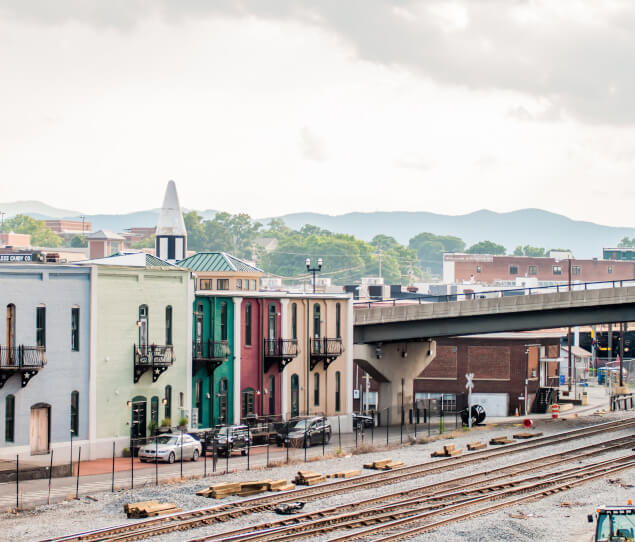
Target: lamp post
{"points": [[314, 270]]}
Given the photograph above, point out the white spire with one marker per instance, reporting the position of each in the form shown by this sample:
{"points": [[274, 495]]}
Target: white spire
{"points": [[171, 219]]}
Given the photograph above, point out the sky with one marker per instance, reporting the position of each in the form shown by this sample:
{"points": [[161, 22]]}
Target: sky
{"points": [[277, 106]]}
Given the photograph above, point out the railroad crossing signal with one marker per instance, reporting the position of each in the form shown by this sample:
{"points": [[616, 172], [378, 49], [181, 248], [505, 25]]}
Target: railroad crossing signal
{"points": [[469, 384]]}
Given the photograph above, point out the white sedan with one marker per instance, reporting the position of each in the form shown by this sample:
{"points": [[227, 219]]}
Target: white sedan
{"points": [[169, 448]]}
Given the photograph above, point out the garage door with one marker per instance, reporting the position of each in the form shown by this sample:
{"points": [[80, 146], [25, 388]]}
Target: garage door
{"points": [[495, 404]]}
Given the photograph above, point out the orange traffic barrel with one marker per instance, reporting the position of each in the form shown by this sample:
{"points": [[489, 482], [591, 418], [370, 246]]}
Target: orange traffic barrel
{"points": [[555, 410]]}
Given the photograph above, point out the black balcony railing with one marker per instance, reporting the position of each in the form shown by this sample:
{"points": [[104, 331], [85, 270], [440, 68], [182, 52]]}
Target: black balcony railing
{"points": [[282, 351], [27, 360], [326, 350], [155, 357], [209, 354]]}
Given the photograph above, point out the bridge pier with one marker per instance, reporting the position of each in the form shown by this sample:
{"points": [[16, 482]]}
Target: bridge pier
{"points": [[389, 364]]}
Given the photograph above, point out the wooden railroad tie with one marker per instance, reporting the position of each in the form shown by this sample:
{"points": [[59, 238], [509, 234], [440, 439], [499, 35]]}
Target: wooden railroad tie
{"points": [[476, 445], [449, 450], [527, 435], [500, 440], [384, 464], [344, 474], [244, 489], [146, 509], [309, 478]]}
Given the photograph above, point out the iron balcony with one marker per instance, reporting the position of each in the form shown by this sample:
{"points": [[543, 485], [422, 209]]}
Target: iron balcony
{"points": [[27, 360], [209, 354], [153, 357], [326, 350], [282, 351]]}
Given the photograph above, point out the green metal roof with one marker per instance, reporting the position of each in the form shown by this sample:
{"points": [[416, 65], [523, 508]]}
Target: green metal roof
{"points": [[217, 261]]}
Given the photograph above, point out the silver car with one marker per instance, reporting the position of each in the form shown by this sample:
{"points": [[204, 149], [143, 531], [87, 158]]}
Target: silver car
{"points": [[169, 448]]}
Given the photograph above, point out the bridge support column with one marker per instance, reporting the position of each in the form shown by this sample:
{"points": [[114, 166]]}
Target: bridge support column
{"points": [[389, 364]]}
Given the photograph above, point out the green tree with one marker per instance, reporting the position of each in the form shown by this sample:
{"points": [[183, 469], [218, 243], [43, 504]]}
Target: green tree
{"points": [[196, 238], [528, 250], [78, 241], [486, 247], [430, 247], [626, 243], [148, 242], [41, 236]]}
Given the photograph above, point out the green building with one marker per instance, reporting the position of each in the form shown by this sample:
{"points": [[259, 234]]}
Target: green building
{"points": [[620, 254]]}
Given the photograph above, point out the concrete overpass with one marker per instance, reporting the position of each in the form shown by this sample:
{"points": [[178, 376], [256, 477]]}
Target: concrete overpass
{"points": [[412, 321], [394, 342]]}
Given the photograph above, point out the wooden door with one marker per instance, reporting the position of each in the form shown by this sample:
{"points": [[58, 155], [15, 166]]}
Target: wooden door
{"points": [[11, 357], [39, 431]]}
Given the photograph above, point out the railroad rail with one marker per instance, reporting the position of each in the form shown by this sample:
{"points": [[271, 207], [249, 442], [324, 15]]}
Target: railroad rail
{"points": [[209, 515]]}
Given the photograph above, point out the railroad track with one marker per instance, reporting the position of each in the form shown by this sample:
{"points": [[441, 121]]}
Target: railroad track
{"points": [[420, 508], [225, 512]]}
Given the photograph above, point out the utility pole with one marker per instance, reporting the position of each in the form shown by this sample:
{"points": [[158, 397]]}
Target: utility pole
{"points": [[621, 355], [569, 346], [367, 378]]}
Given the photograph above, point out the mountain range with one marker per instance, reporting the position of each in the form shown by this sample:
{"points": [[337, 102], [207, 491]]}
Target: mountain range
{"points": [[534, 227]]}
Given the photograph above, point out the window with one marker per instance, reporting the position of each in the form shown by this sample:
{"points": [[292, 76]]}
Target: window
{"points": [[610, 269], [294, 320], [75, 413], [222, 284], [143, 325], [557, 270], [575, 270], [248, 324], [478, 268], [222, 400], [239, 284], [168, 325], [513, 270], [316, 389], [338, 390], [272, 394], [271, 322], [154, 411], [205, 284], [9, 418], [75, 329], [223, 321], [248, 397], [168, 401], [532, 270], [40, 327], [316, 321], [338, 320], [253, 284]]}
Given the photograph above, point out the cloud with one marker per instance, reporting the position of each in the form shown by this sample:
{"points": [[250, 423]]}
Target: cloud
{"points": [[312, 147], [577, 55]]}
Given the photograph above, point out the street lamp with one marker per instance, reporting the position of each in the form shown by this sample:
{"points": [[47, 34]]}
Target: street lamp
{"points": [[314, 270]]}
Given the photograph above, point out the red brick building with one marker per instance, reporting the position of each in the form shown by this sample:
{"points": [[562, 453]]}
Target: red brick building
{"points": [[500, 362], [490, 269]]}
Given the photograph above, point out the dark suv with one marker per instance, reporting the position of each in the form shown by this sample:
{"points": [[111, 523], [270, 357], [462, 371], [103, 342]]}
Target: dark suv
{"points": [[305, 431], [230, 438]]}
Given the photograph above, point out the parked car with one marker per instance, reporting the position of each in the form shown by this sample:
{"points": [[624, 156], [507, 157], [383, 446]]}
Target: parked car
{"points": [[305, 431], [230, 438], [169, 448], [362, 420]]}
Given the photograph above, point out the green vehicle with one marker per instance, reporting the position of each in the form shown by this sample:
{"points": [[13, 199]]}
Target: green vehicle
{"points": [[614, 523]]}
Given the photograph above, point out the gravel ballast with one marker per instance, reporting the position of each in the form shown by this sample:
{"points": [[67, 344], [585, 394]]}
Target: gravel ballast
{"points": [[546, 518]]}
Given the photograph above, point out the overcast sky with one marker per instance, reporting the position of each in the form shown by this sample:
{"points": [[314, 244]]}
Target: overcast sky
{"points": [[277, 106]]}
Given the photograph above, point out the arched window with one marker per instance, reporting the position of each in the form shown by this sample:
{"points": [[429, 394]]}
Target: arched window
{"points": [[248, 402], [75, 413], [154, 411], [247, 324], [168, 325], [317, 332], [143, 326], [138, 427], [223, 321], [338, 320], [9, 418], [295, 395], [294, 320], [338, 390], [316, 389], [168, 402]]}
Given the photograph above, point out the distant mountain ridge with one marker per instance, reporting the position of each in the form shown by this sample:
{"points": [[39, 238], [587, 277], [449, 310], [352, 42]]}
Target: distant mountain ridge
{"points": [[523, 227]]}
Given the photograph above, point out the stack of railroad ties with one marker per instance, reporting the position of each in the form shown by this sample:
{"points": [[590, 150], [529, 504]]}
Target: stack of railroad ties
{"points": [[146, 509]]}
